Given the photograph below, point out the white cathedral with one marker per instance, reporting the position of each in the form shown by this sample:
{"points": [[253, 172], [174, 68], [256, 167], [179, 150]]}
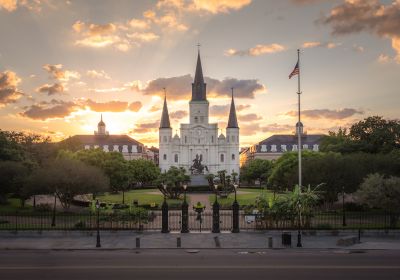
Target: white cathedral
{"points": [[199, 143]]}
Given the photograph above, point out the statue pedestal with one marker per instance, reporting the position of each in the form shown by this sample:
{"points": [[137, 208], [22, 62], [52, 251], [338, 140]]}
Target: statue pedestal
{"points": [[198, 180]]}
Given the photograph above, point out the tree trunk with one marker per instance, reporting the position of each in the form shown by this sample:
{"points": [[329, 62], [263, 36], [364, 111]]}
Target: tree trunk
{"points": [[123, 197]]}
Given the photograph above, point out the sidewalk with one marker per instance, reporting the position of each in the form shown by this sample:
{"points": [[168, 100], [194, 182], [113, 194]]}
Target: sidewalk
{"points": [[59, 240]]}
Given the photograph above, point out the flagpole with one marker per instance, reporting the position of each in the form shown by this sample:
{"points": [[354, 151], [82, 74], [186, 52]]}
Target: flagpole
{"points": [[299, 147], [299, 122]]}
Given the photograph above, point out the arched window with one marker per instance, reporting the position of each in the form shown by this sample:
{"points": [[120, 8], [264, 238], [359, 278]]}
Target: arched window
{"points": [[222, 158], [196, 119], [212, 138], [165, 157], [176, 158], [233, 156], [165, 139], [233, 138], [185, 139]]}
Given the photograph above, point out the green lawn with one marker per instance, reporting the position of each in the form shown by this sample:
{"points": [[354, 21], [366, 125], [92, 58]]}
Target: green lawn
{"points": [[13, 205], [144, 196], [247, 198]]}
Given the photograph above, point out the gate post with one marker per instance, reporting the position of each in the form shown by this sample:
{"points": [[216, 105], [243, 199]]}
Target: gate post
{"points": [[235, 214], [185, 213], [164, 209], [215, 217]]}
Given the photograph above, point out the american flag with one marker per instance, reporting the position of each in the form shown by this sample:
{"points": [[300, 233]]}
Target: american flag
{"points": [[295, 71]]}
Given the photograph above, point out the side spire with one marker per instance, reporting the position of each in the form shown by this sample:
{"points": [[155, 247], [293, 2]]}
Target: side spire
{"points": [[198, 85], [232, 122], [164, 123]]}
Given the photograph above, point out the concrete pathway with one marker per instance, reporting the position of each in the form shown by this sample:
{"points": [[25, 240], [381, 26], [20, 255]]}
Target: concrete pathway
{"points": [[202, 198], [127, 240]]}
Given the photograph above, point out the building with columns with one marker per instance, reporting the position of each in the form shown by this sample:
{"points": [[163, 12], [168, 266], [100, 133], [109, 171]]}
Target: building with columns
{"points": [[198, 140]]}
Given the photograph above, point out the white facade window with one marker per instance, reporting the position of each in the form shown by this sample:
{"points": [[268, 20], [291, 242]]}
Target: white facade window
{"points": [[125, 149], [212, 138], [283, 148], [316, 147], [165, 139], [305, 146], [87, 147], [176, 158], [222, 158], [134, 149], [96, 146], [233, 156], [201, 119], [105, 148], [273, 148], [294, 148], [185, 139], [263, 148], [233, 138], [196, 119], [165, 157]]}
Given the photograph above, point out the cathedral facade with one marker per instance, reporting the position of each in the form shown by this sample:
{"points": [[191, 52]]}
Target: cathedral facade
{"points": [[198, 148]]}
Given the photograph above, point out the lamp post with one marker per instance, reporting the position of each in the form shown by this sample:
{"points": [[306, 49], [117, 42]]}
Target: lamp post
{"points": [[185, 212], [299, 228], [53, 220], [164, 210], [216, 228], [343, 210], [235, 212], [98, 245]]}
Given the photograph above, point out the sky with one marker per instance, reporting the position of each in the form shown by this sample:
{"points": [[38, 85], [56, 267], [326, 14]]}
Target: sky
{"points": [[63, 63]]}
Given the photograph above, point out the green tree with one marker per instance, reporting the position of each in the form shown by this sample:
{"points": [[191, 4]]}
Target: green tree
{"points": [[173, 179], [12, 175], [257, 169], [384, 193], [67, 178], [144, 171]]}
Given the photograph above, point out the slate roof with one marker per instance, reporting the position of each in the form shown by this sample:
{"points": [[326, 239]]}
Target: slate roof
{"points": [[109, 140], [289, 141], [164, 123], [232, 121]]}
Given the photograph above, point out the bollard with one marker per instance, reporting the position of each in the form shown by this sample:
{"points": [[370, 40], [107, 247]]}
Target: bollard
{"points": [[287, 239], [178, 242], [217, 242], [137, 242], [270, 242]]}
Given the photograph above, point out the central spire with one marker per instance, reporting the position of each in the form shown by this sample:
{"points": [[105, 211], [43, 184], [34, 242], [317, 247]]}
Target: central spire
{"points": [[198, 86]]}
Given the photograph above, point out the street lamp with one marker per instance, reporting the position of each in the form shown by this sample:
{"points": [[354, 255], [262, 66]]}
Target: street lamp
{"points": [[299, 228], [216, 228], [53, 220], [164, 211], [343, 210], [185, 212], [98, 245], [235, 212]]}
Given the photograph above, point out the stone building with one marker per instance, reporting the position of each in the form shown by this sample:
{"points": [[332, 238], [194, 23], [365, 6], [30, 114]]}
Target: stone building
{"points": [[198, 143]]}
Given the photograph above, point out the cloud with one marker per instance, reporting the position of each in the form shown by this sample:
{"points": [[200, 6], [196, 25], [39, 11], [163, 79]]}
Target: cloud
{"points": [[143, 36], [135, 106], [249, 129], [358, 48], [138, 24], [249, 117], [8, 87], [278, 128], [327, 113], [354, 16], [383, 58], [154, 108], [56, 72], [221, 6], [242, 107], [8, 5], [328, 45], [12, 5], [146, 127], [51, 110], [307, 2], [98, 74], [110, 106], [219, 110], [179, 88], [257, 50], [180, 114], [51, 89]]}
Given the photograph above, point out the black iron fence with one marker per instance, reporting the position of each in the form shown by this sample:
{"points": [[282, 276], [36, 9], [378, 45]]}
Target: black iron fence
{"points": [[204, 222]]}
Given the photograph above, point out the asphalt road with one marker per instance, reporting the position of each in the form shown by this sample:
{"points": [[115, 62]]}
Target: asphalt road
{"points": [[204, 264]]}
